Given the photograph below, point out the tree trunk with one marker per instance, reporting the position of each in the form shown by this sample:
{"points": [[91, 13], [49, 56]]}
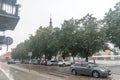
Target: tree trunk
{"points": [[73, 59], [86, 59], [94, 60]]}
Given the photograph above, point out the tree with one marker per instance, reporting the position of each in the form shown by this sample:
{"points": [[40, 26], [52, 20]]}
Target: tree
{"points": [[90, 37], [82, 37], [45, 42], [19, 52], [112, 25], [67, 38]]}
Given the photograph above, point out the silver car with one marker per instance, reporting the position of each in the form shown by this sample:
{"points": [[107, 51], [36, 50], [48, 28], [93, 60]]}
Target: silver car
{"points": [[89, 68]]}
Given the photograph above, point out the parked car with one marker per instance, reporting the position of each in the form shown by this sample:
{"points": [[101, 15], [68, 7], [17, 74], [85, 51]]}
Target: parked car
{"points": [[89, 68], [34, 61], [43, 62], [11, 62], [64, 63], [52, 63], [26, 62], [17, 61]]}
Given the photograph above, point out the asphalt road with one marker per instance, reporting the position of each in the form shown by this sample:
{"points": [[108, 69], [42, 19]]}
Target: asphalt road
{"points": [[3, 76], [115, 69], [13, 72]]}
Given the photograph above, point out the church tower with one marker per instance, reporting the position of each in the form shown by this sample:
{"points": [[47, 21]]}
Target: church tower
{"points": [[50, 23]]}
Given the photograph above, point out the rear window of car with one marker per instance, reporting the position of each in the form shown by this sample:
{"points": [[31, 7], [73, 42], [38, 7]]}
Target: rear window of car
{"points": [[84, 64], [93, 65], [78, 64]]}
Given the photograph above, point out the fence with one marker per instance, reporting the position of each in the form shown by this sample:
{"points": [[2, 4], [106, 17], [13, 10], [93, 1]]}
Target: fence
{"points": [[106, 57]]}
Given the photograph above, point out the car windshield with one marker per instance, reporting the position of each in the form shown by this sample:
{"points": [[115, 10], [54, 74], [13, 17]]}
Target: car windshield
{"points": [[60, 61], [66, 60]]}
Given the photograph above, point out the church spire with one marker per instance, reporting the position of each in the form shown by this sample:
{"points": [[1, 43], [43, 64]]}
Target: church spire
{"points": [[50, 23]]}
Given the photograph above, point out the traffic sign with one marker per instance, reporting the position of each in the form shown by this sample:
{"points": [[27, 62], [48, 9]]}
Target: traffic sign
{"points": [[29, 53], [8, 40]]}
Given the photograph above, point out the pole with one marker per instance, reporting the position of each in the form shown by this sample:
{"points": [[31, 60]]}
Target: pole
{"points": [[29, 63], [7, 48], [7, 44], [29, 54]]}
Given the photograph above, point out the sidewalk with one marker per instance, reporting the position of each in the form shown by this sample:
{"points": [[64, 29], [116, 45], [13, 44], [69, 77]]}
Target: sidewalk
{"points": [[107, 63]]}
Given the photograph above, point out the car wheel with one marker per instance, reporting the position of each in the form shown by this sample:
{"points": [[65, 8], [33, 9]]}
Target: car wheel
{"points": [[95, 74], [64, 64], [74, 72], [105, 77], [59, 65]]}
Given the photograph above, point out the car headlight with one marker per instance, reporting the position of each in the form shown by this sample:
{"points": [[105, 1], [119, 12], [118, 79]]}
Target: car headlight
{"points": [[103, 70]]}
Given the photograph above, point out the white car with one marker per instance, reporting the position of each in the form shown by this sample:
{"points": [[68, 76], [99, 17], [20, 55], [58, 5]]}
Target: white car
{"points": [[64, 63], [52, 63]]}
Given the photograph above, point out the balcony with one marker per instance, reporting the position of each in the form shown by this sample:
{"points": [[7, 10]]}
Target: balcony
{"points": [[8, 14]]}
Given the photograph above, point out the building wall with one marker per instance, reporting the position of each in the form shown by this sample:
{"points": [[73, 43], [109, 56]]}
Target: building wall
{"points": [[5, 57], [107, 52]]}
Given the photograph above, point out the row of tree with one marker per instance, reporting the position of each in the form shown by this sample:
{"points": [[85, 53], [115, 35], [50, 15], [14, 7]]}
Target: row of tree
{"points": [[83, 37]]}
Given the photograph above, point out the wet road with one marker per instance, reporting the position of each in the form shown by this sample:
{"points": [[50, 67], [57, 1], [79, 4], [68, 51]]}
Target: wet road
{"points": [[12, 72], [23, 75], [115, 69], [3, 76]]}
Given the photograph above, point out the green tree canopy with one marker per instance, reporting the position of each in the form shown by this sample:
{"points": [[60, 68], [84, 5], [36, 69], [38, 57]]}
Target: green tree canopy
{"points": [[90, 37], [112, 24]]}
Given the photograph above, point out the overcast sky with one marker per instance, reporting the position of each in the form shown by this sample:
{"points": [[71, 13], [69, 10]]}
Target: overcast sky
{"points": [[35, 13]]}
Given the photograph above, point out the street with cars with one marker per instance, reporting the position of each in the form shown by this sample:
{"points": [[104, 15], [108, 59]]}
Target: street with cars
{"points": [[20, 71]]}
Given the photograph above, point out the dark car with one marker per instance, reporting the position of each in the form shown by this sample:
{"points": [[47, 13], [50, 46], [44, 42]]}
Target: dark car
{"points": [[11, 62], [89, 68]]}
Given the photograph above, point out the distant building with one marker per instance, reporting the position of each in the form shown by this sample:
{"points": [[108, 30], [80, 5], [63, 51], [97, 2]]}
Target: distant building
{"points": [[5, 57], [107, 52], [9, 17], [8, 14]]}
